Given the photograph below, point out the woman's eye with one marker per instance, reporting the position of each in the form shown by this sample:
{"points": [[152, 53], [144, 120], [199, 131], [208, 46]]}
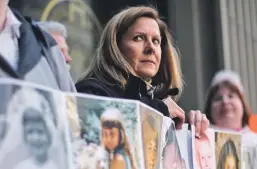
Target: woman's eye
{"points": [[138, 38], [217, 98], [231, 95], [156, 41]]}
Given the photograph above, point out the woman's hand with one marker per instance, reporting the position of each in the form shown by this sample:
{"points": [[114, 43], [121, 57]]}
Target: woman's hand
{"points": [[196, 118], [200, 121], [175, 112]]}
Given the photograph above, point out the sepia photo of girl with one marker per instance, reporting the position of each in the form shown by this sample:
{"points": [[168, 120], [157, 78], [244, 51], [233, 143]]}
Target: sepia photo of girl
{"points": [[151, 123], [228, 150]]}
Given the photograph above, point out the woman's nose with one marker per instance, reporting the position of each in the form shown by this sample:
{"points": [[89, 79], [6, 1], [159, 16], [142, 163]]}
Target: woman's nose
{"points": [[150, 48], [151, 44], [225, 99]]}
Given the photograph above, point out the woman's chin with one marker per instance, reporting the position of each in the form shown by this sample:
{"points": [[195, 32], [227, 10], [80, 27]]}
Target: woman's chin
{"points": [[147, 75], [226, 124], [228, 115]]}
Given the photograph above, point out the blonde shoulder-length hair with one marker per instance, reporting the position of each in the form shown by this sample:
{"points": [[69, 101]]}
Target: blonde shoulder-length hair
{"points": [[109, 65]]}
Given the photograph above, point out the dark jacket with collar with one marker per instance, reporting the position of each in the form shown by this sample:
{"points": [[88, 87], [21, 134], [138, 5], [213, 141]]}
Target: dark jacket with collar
{"points": [[33, 65], [135, 89]]}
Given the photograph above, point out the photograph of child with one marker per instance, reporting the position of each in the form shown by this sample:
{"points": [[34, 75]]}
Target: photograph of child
{"points": [[250, 157], [115, 141], [205, 150], [228, 150], [108, 129], [36, 136], [171, 153], [184, 137], [249, 150], [151, 123], [78, 144], [86, 148]]}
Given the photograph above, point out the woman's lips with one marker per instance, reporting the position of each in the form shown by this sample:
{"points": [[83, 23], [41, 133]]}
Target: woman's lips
{"points": [[148, 62]]}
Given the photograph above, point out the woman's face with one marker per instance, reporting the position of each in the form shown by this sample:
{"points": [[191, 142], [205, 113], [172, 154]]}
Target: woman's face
{"points": [[141, 45], [227, 109], [230, 162], [110, 138], [37, 138], [205, 155]]}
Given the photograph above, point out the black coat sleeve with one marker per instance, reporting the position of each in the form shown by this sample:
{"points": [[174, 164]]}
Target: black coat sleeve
{"points": [[91, 87], [96, 87], [157, 105]]}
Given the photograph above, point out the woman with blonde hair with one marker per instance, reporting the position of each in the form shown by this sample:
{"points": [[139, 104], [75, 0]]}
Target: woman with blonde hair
{"points": [[226, 105], [136, 60], [115, 141]]}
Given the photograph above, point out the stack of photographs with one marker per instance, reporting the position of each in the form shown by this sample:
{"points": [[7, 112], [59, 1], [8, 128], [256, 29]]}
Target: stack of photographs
{"points": [[42, 128]]}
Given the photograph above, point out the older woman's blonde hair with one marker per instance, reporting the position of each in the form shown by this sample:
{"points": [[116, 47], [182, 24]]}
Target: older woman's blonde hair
{"points": [[109, 65]]}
